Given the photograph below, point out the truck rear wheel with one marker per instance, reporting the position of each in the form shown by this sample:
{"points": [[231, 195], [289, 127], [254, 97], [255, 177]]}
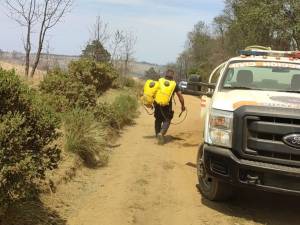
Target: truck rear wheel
{"points": [[210, 187]]}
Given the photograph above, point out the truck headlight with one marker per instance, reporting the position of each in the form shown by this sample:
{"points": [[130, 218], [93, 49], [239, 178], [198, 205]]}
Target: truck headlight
{"points": [[220, 128]]}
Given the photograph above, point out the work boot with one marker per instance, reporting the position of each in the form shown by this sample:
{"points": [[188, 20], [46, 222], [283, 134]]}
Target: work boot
{"points": [[160, 139]]}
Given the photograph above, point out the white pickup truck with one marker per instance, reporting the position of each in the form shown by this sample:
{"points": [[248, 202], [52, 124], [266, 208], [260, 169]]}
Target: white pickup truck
{"points": [[252, 125]]}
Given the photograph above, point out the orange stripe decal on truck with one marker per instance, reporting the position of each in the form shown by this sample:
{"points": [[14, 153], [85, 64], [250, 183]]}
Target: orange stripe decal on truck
{"points": [[243, 103]]}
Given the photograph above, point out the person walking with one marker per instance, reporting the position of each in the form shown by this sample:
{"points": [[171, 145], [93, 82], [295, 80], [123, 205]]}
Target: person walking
{"points": [[163, 105]]}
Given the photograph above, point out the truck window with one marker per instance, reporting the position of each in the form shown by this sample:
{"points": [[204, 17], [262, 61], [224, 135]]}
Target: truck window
{"points": [[268, 76]]}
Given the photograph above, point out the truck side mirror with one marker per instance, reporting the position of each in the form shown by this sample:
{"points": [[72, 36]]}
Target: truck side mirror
{"points": [[204, 85], [200, 92], [211, 86]]}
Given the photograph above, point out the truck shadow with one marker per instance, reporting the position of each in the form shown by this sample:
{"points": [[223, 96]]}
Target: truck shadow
{"points": [[260, 207]]}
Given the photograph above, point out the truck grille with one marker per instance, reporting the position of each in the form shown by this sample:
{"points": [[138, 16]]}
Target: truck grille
{"points": [[259, 133]]}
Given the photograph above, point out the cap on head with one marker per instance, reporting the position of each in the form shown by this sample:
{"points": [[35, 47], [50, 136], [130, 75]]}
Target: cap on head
{"points": [[170, 74]]}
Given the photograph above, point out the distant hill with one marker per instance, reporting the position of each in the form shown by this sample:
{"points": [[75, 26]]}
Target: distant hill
{"points": [[51, 60], [139, 68]]}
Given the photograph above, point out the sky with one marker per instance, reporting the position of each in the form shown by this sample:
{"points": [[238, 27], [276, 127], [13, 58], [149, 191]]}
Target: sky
{"points": [[161, 26]]}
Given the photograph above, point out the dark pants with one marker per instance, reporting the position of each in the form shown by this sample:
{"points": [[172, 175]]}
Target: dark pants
{"points": [[163, 117]]}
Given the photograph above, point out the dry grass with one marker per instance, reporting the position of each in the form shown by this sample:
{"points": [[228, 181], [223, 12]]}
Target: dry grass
{"points": [[110, 95], [85, 137], [34, 82]]}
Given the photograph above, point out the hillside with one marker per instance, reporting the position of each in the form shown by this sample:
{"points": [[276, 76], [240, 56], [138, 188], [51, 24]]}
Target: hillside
{"points": [[52, 60], [139, 68]]}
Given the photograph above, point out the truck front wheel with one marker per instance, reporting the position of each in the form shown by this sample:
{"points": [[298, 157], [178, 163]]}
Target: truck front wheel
{"points": [[210, 187]]}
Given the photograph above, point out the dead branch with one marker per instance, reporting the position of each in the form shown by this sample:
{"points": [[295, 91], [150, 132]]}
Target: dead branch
{"points": [[99, 31], [52, 13], [25, 13]]}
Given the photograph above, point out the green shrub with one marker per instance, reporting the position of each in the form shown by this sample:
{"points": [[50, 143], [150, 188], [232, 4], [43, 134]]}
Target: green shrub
{"points": [[85, 137], [124, 81], [118, 114], [63, 87], [57, 103], [27, 131], [89, 72], [55, 81], [125, 109], [105, 114]]}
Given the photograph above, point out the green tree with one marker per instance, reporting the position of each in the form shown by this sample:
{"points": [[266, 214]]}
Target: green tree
{"points": [[96, 51], [270, 23], [201, 47]]}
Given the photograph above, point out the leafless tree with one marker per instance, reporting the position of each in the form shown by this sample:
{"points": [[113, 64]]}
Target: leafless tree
{"points": [[46, 13], [26, 14], [116, 46], [99, 31], [129, 44], [52, 11]]}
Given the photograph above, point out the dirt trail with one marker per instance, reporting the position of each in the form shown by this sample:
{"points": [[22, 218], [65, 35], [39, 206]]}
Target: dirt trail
{"points": [[147, 184]]}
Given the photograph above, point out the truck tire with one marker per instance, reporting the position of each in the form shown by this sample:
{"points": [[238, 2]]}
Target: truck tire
{"points": [[209, 187]]}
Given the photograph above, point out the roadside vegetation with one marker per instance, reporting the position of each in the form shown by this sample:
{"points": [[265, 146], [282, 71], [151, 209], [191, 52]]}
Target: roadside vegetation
{"points": [[65, 114], [28, 128], [74, 96], [85, 137]]}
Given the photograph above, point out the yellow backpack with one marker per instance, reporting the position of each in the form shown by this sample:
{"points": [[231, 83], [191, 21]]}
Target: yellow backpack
{"points": [[150, 89], [165, 92]]}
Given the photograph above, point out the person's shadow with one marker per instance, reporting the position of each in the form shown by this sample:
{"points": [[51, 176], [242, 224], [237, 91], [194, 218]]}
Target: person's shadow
{"points": [[150, 137], [168, 138]]}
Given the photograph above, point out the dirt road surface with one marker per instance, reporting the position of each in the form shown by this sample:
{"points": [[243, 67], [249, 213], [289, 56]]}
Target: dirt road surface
{"points": [[147, 184]]}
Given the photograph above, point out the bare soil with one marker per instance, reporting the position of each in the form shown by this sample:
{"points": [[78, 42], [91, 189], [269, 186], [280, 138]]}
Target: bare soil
{"points": [[148, 184]]}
